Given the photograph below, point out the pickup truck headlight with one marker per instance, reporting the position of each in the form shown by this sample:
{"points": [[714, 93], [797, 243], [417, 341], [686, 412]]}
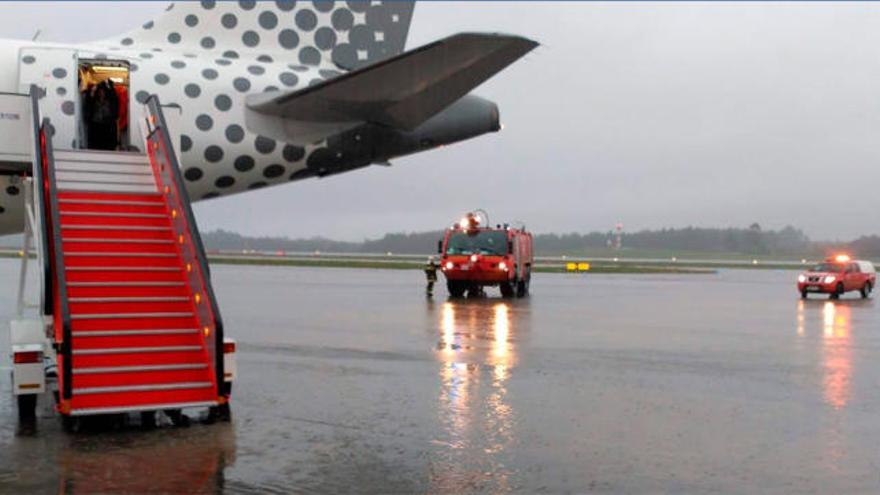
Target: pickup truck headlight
{"points": [[830, 279], [802, 278]]}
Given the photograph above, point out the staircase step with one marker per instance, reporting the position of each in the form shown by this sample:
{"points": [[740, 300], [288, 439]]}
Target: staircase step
{"points": [[110, 240], [139, 179], [129, 316], [104, 168], [142, 368], [133, 228], [98, 156], [141, 388], [111, 202], [107, 269], [73, 261], [147, 197], [120, 251], [94, 187], [126, 299], [111, 214], [120, 276], [135, 357], [125, 284], [117, 254], [143, 401], [118, 333], [74, 220], [117, 290], [114, 310], [140, 377], [135, 350]]}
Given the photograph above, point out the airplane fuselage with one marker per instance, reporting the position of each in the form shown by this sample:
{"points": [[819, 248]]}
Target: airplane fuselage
{"points": [[204, 96]]}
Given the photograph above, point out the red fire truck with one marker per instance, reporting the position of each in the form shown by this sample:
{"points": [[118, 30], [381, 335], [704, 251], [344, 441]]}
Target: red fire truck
{"points": [[476, 255]]}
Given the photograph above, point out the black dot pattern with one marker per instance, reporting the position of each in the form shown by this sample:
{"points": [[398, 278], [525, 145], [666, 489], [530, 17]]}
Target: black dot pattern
{"points": [[193, 174], [223, 103], [206, 57], [351, 34], [244, 163]]}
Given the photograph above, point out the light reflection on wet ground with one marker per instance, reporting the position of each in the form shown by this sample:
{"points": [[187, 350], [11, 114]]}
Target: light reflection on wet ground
{"points": [[352, 382]]}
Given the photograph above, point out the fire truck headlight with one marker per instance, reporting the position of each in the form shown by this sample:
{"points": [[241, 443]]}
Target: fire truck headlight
{"points": [[474, 258], [829, 279], [802, 278], [449, 265], [502, 266]]}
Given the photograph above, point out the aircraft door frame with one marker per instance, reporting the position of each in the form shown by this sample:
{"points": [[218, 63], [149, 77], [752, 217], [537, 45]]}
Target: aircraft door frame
{"points": [[54, 72]]}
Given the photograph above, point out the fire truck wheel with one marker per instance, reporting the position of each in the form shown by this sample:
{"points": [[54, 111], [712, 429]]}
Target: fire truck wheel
{"points": [[27, 407], [148, 420], [456, 289], [177, 417], [507, 289], [522, 287]]}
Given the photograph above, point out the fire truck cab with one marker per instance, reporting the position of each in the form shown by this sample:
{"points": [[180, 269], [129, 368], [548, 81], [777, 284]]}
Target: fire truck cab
{"points": [[474, 255]]}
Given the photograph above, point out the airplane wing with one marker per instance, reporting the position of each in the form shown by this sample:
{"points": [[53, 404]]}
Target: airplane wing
{"points": [[401, 92]]}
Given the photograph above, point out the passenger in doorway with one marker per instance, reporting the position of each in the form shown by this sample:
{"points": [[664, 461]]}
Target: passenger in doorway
{"points": [[431, 275], [122, 120], [101, 111]]}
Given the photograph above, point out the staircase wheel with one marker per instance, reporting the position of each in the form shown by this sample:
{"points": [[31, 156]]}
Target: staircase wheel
{"points": [[71, 424], [223, 413], [27, 408]]}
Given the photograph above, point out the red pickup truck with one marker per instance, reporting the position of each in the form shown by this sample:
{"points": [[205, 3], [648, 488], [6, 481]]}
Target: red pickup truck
{"points": [[838, 275]]}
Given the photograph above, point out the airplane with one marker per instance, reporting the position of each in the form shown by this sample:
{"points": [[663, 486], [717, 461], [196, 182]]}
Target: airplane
{"points": [[259, 94]]}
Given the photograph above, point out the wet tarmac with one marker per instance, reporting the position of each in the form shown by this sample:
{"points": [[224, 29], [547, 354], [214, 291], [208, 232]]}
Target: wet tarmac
{"points": [[351, 382]]}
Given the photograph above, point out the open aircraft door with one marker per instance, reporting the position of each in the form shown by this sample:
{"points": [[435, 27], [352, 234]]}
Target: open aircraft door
{"points": [[54, 72]]}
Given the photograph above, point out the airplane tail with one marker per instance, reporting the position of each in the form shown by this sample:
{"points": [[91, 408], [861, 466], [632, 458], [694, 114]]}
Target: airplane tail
{"points": [[348, 35]]}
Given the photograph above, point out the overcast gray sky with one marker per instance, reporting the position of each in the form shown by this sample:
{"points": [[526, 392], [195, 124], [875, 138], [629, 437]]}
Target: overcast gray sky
{"points": [[650, 114]]}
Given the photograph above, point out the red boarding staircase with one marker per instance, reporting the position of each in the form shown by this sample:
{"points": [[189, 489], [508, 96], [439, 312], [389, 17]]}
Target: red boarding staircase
{"points": [[136, 323]]}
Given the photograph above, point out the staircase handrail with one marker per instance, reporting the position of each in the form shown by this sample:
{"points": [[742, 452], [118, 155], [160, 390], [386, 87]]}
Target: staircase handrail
{"points": [[39, 199], [61, 306], [159, 140]]}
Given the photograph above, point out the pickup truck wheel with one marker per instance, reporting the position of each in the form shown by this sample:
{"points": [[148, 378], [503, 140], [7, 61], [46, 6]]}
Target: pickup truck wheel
{"points": [[838, 291], [27, 407], [866, 290], [803, 294]]}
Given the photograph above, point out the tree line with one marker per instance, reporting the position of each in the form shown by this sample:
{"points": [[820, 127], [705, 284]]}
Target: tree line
{"points": [[752, 240]]}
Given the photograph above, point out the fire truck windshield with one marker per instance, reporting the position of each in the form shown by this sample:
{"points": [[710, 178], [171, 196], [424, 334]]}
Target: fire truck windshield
{"points": [[484, 242]]}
